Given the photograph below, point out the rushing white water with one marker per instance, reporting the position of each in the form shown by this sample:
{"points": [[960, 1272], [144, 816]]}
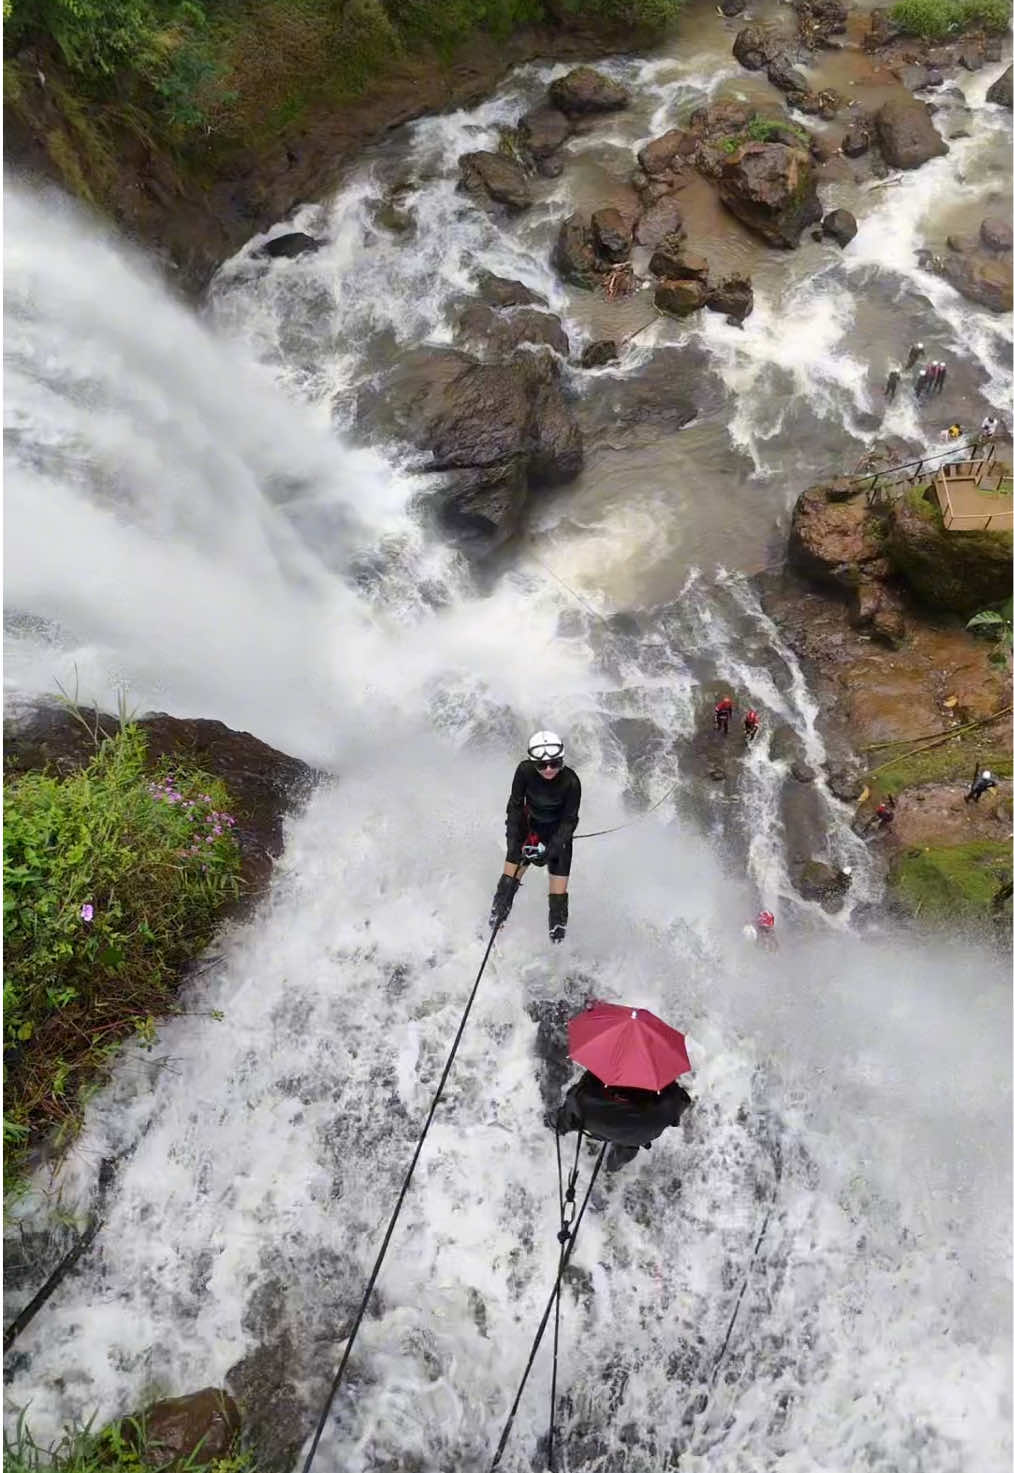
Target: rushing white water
{"points": [[179, 526]]}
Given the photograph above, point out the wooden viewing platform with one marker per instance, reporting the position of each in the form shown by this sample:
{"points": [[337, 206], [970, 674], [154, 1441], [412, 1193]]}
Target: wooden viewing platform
{"points": [[975, 496]]}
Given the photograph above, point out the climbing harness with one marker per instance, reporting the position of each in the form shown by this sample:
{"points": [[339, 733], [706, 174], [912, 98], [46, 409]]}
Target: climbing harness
{"points": [[361, 1312], [567, 1237]]}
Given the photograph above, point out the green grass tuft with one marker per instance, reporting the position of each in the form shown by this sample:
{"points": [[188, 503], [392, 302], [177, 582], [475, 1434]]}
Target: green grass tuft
{"points": [[113, 881], [121, 1447], [938, 18]]}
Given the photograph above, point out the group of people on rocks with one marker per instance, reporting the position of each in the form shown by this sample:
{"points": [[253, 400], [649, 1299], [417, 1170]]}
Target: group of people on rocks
{"points": [[723, 715], [929, 379]]}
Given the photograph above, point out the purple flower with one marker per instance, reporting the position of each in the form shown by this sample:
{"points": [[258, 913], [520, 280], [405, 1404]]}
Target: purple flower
{"points": [[87, 911]]}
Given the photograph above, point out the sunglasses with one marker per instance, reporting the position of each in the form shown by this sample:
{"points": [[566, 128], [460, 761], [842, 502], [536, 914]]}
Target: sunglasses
{"points": [[548, 764]]}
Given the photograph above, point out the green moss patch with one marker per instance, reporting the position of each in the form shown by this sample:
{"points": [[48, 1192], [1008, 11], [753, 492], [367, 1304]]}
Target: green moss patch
{"points": [[953, 762], [951, 883]]}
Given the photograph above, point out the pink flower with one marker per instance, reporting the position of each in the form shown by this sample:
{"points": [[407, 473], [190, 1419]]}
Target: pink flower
{"points": [[87, 911]]}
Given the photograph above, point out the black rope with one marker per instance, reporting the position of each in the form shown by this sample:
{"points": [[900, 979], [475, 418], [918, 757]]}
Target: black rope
{"points": [[564, 1260], [404, 1191], [33, 1306], [563, 1236], [777, 1164]]}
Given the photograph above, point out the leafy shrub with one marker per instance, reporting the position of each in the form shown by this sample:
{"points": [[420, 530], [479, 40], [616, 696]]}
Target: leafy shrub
{"points": [[121, 1447], [113, 879]]}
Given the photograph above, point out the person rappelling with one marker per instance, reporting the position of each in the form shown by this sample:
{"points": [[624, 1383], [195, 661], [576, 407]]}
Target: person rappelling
{"points": [[723, 714], [542, 814], [628, 1094], [751, 726]]}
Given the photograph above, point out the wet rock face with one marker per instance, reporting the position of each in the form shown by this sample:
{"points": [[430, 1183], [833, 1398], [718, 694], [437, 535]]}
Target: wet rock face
{"points": [[295, 243], [660, 155], [996, 234], [840, 225], [680, 298], [597, 354], [613, 235], [1002, 90], [543, 131], [584, 91], [575, 255], [205, 1423], [495, 429], [733, 296], [771, 188], [783, 75], [831, 540], [958, 571], [662, 221], [906, 134], [981, 276], [494, 176], [501, 291], [757, 45], [502, 332]]}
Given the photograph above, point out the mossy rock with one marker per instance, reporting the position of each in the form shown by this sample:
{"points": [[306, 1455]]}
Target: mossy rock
{"points": [[956, 882], [960, 572]]}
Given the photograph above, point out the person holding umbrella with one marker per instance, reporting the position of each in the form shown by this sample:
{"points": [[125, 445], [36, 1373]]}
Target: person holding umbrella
{"points": [[628, 1094]]}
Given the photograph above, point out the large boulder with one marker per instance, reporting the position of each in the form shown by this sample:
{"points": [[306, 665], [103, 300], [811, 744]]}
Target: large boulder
{"points": [[543, 130], [733, 296], [1002, 90], [960, 572], [662, 221], [906, 133], [186, 1430], [494, 176], [613, 235], [575, 256], [996, 234], [982, 277], [783, 75], [832, 541], [771, 188], [840, 225], [494, 430], [584, 91], [757, 45], [292, 243], [680, 298], [663, 154], [502, 291], [502, 332], [815, 880]]}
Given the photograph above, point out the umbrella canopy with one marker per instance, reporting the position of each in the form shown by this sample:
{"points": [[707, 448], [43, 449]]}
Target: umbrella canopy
{"points": [[627, 1046]]}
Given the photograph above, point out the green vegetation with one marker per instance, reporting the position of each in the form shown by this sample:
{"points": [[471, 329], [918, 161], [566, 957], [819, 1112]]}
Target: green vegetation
{"points": [[240, 69], [951, 762], [765, 130], [114, 878], [936, 18], [122, 1447], [997, 624], [955, 882]]}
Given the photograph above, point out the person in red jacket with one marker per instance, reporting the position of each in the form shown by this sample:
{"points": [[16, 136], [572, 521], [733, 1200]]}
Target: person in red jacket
{"points": [[883, 816], [723, 714], [751, 725]]}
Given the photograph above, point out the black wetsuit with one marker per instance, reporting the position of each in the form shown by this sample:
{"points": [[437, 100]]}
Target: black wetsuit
{"points": [[546, 806], [626, 1117]]}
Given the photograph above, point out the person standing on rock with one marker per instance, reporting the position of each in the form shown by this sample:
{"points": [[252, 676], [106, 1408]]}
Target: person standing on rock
{"points": [[751, 725], [981, 783], [922, 379], [723, 714], [542, 814], [891, 387], [915, 352], [941, 375]]}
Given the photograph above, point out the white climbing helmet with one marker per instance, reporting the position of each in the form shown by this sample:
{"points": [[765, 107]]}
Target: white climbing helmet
{"points": [[545, 746], [986, 774]]}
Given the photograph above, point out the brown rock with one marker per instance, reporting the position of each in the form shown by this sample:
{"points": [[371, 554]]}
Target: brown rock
{"points": [[757, 45], [830, 541], [659, 222], [1002, 90], [584, 91], [691, 266], [496, 177], [504, 332], [840, 225], [996, 233], [680, 298], [613, 235], [856, 141], [733, 296], [982, 278], [906, 133], [597, 354], [501, 291], [783, 75], [661, 154], [771, 188], [575, 256], [543, 131], [205, 1424]]}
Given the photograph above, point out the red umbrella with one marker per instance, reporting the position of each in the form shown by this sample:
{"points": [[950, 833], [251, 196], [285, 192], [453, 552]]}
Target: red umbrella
{"points": [[627, 1046]]}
